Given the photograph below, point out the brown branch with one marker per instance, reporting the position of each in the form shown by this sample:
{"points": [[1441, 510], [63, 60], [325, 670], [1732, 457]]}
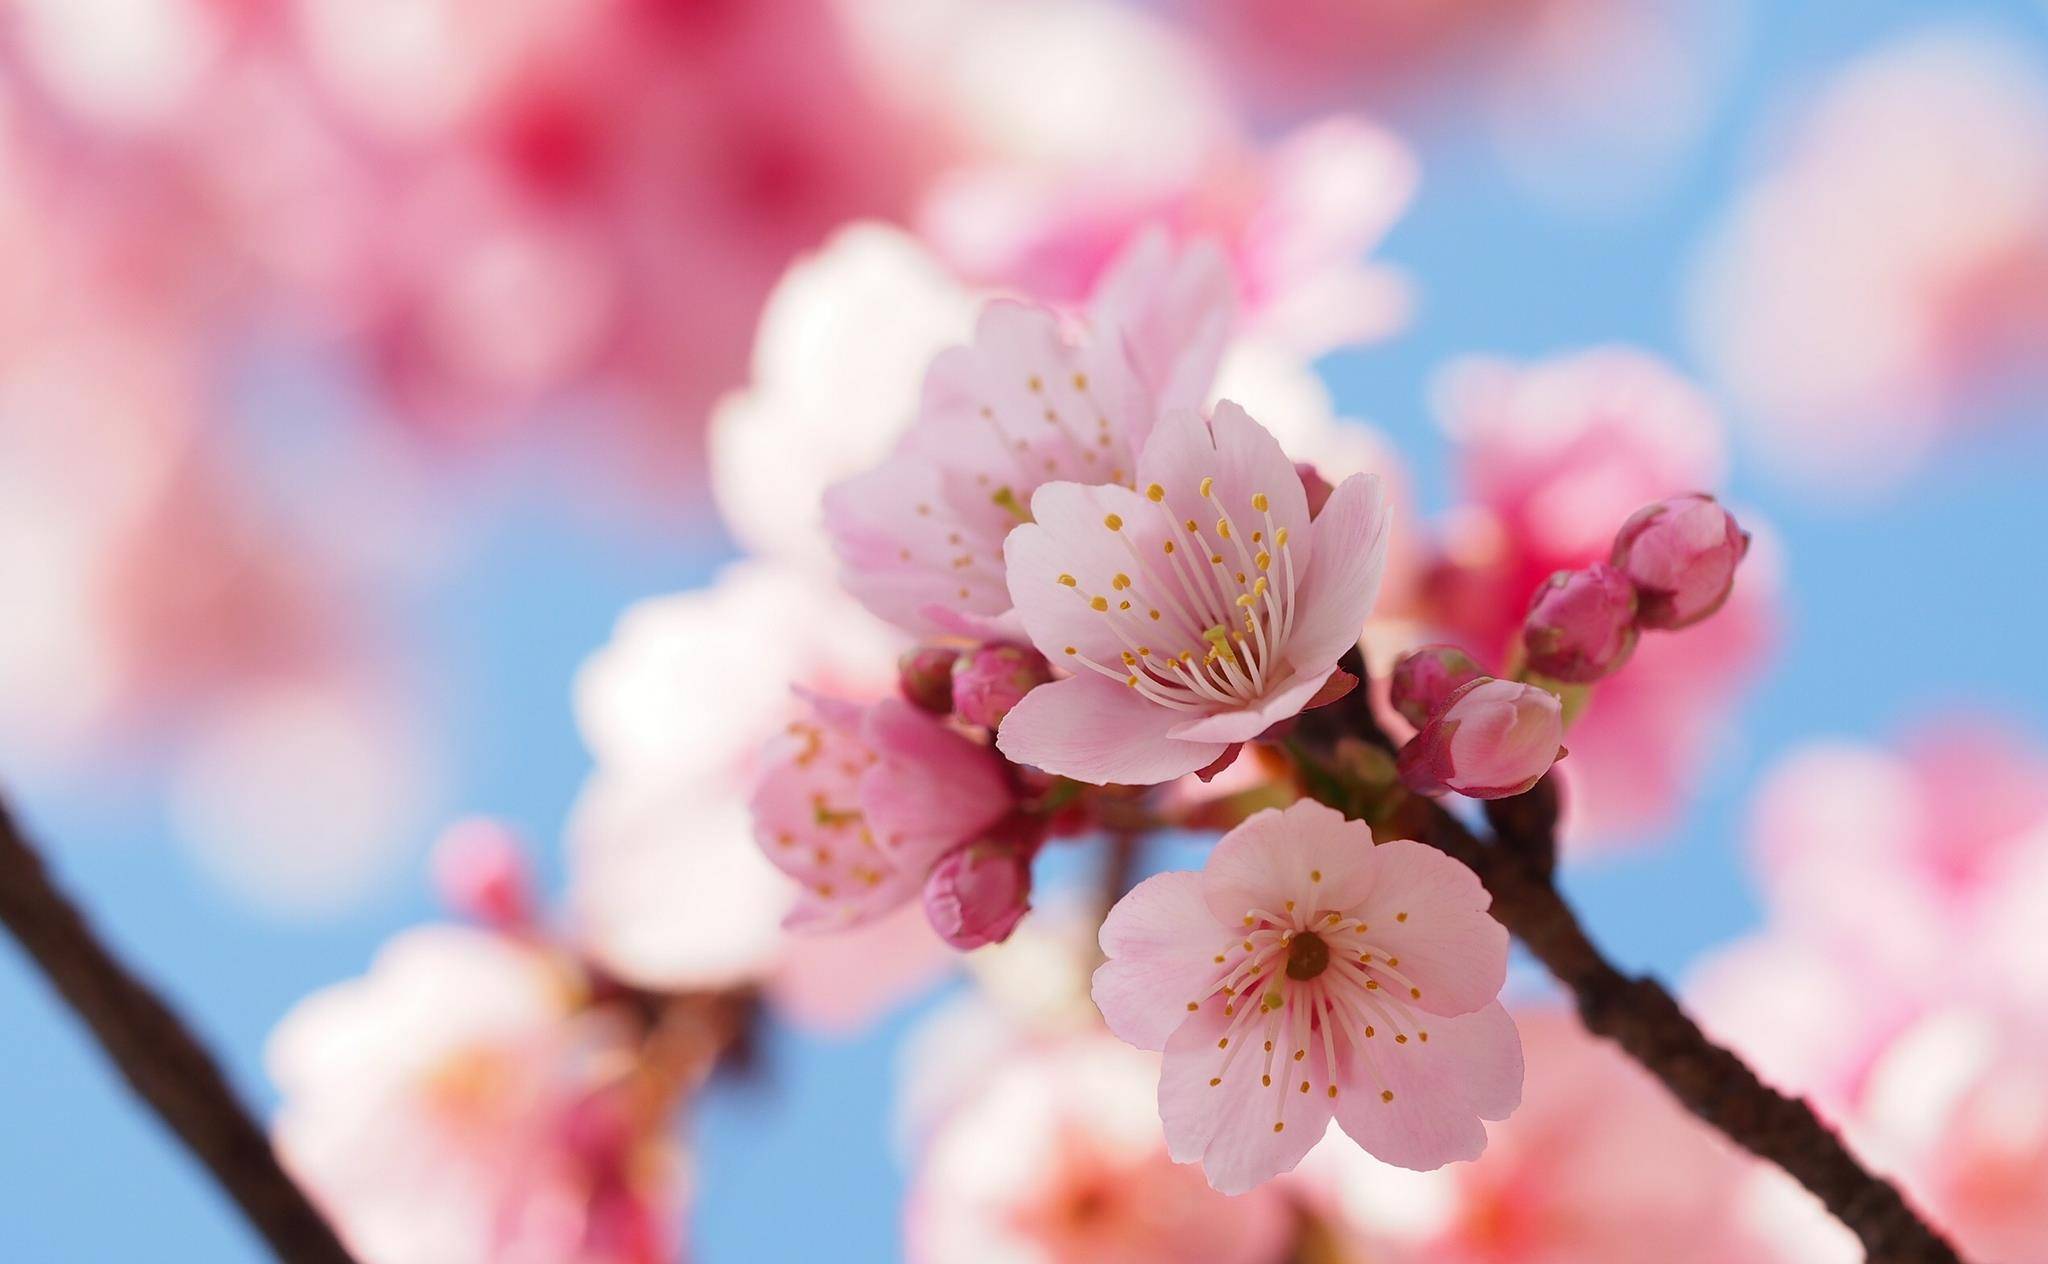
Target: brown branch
{"points": [[1641, 1016], [157, 1055]]}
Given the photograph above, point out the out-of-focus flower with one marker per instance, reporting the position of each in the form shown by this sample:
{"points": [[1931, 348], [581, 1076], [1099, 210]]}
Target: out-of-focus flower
{"points": [[442, 1108], [1887, 277], [1490, 739], [481, 872], [858, 803], [1553, 457], [924, 676], [1056, 1157], [1029, 402], [1581, 624], [1597, 1164], [990, 680], [1197, 613], [1681, 555], [1424, 679], [976, 894], [1306, 973], [667, 888]]}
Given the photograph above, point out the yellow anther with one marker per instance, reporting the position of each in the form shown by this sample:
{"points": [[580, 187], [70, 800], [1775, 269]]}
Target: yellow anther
{"points": [[1264, 559], [1387, 1095], [1121, 582], [1069, 580], [1155, 493], [1223, 528], [1099, 603], [1113, 522], [1315, 875], [1259, 501], [1208, 484], [1072, 650], [1280, 537]]}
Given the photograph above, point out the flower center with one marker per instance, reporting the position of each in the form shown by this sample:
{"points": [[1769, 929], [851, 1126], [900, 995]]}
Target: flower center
{"points": [[1307, 956], [1203, 615]]}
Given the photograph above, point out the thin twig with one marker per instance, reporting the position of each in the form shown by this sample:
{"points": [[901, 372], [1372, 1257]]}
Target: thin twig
{"points": [[158, 1056], [1641, 1016]]}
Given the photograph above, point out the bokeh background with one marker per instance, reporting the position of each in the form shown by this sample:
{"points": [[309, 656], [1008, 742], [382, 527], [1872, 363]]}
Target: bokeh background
{"points": [[364, 520]]}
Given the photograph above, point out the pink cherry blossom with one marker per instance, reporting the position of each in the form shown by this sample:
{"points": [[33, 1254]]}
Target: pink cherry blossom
{"points": [[858, 803], [1031, 401], [1491, 739], [1882, 283], [1056, 1157], [1553, 457], [436, 1109], [1197, 613], [1306, 973]]}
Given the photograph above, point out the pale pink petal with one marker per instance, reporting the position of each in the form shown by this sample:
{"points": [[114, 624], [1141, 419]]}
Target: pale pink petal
{"points": [[1306, 853], [1348, 557], [906, 553], [1430, 912], [1159, 942], [1168, 311], [1468, 1070], [932, 788], [1063, 569], [1236, 459], [1229, 1126], [1095, 730]]}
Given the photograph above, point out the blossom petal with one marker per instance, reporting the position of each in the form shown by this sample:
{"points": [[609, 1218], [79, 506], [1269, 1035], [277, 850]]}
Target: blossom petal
{"points": [[1344, 570], [1430, 911], [1095, 730], [932, 788], [1230, 1126], [1068, 559], [1468, 1070], [1244, 461], [907, 552], [1159, 942], [1243, 726], [1305, 853]]}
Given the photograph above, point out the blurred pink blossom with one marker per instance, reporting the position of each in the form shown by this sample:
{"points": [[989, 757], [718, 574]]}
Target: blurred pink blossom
{"points": [[441, 1109], [1886, 278], [1056, 1157], [1294, 935], [1220, 540]]}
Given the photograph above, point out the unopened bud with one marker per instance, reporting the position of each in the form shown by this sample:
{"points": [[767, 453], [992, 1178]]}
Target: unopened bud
{"points": [[925, 675], [1581, 624], [1425, 677], [990, 679], [1681, 556], [976, 894], [1493, 738]]}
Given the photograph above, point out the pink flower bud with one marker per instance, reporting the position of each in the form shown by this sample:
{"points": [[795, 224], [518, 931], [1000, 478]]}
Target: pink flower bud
{"points": [[1315, 486], [1425, 677], [1581, 624], [991, 679], [1493, 738], [480, 871], [1681, 555], [977, 894], [925, 675]]}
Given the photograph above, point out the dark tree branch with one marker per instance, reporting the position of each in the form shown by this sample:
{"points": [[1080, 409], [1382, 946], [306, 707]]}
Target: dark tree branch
{"points": [[158, 1056], [1643, 1018]]}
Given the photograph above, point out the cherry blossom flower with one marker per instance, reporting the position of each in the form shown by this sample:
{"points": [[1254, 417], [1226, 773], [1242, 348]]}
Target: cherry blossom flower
{"points": [[1306, 973], [1056, 1157], [1490, 739], [1901, 235], [1029, 402], [437, 1109], [858, 803], [1197, 613]]}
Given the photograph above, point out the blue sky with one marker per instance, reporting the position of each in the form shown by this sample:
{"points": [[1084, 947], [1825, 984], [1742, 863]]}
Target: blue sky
{"points": [[1931, 599]]}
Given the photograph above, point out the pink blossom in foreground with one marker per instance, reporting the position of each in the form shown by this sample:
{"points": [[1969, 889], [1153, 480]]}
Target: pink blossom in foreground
{"points": [[1491, 739], [1885, 281], [1195, 614], [1307, 973], [1056, 1157], [1554, 456], [1581, 624], [1031, 401], [858, 803], [440, 1108], [1597, 1165]]}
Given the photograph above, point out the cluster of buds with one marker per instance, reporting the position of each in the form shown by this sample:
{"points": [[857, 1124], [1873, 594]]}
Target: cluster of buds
{"points": [[1673, 564], [977, 685]]}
